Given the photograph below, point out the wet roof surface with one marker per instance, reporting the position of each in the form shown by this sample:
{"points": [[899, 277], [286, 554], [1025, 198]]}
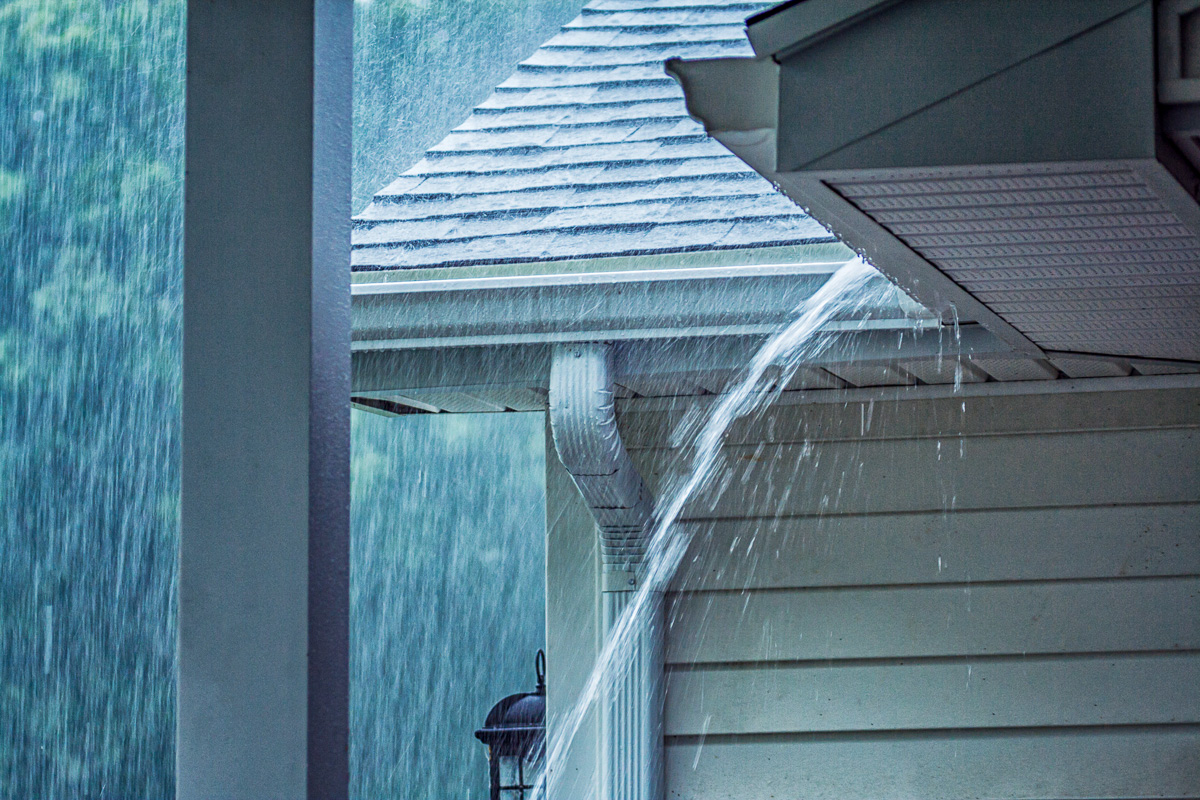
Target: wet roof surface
{"points": [[586, 151]]}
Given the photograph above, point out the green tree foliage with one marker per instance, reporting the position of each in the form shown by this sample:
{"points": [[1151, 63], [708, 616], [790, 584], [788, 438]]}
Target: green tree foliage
{"points": [[91, 134], [90, 158]]}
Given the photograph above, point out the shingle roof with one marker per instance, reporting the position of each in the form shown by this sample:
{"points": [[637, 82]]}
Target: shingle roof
{"points": [[586, 151]]}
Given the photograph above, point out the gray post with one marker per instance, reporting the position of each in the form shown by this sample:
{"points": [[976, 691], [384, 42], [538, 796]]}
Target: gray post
{"points": [[264, 558]]}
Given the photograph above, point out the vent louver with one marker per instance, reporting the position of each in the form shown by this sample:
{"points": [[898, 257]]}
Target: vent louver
{"points": [[1060, 256]]}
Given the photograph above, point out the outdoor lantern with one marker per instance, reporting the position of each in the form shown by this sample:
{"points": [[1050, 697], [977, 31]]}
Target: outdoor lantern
{"points": [[515, 733]]}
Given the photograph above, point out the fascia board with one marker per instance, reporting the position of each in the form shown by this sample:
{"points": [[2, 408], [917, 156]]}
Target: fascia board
{"points": [[801, 22], [379, 373]]}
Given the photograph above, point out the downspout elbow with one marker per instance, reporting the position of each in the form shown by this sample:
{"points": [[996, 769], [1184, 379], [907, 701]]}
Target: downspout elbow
{"points": [[583, 420]]}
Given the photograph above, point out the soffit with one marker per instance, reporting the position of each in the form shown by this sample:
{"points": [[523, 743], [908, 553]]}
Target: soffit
{"points": [[1036, 192]]}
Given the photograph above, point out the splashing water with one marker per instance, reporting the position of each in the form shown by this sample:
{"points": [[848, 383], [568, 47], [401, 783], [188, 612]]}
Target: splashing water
{"points": [[851, 293]]}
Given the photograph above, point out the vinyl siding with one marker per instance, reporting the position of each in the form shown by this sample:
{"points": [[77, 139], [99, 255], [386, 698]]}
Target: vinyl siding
{"points": [[995, 597]]}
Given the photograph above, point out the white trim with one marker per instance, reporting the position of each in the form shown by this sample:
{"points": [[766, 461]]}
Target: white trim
{"points": [[615, 335], [501, 282], [967, 390]]}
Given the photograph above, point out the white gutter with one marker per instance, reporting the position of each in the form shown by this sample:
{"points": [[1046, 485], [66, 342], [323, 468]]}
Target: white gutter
{"points": [[500, 282], [631, 304]]}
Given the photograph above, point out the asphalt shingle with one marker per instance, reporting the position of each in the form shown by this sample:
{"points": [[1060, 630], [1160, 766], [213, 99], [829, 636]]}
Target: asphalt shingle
{"points": [[586, 151]]}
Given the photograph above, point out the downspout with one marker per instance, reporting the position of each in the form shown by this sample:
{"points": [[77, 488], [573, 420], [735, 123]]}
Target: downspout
{"points": [[584, 423]]}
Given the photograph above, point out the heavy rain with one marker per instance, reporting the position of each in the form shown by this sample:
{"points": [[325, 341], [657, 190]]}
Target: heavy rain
{"points": [[763, 511], [91, 105]]}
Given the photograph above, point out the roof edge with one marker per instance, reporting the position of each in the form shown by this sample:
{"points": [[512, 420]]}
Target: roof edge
{"points": [[799, 22]]}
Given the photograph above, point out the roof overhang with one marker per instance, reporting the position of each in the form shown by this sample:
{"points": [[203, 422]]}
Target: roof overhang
{"points": [[644, 304], [1034, 176], [481, 342]]}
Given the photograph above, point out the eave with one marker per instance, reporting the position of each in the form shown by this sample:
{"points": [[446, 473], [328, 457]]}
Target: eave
{"points": [[1013, 149], [482, 343]]}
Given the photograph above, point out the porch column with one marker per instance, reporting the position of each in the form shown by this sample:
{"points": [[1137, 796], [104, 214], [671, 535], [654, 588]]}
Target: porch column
{"points": [[264, 558]]}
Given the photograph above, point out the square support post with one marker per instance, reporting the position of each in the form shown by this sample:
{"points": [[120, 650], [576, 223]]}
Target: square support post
{"points": [[264, 558]]}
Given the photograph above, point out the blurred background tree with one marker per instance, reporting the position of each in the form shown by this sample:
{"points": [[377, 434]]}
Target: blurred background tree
{"points": [[90, 164], [91, 147]]}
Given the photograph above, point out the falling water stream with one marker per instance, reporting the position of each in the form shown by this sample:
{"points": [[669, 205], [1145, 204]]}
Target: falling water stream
{"points": [[848, 296]]}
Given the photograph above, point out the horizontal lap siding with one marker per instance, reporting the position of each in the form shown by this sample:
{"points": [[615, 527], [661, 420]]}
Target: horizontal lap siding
{"points": [[1027, 764], [1011, 619], [934, 547], [986, 472], [922, 695], [870, 610]]}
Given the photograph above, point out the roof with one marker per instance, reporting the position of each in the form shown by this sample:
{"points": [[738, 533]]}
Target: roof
{"points": [[587, 151], [555, 213]]}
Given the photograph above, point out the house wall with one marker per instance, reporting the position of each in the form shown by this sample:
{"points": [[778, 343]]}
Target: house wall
{"points": [[968, 597]]}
